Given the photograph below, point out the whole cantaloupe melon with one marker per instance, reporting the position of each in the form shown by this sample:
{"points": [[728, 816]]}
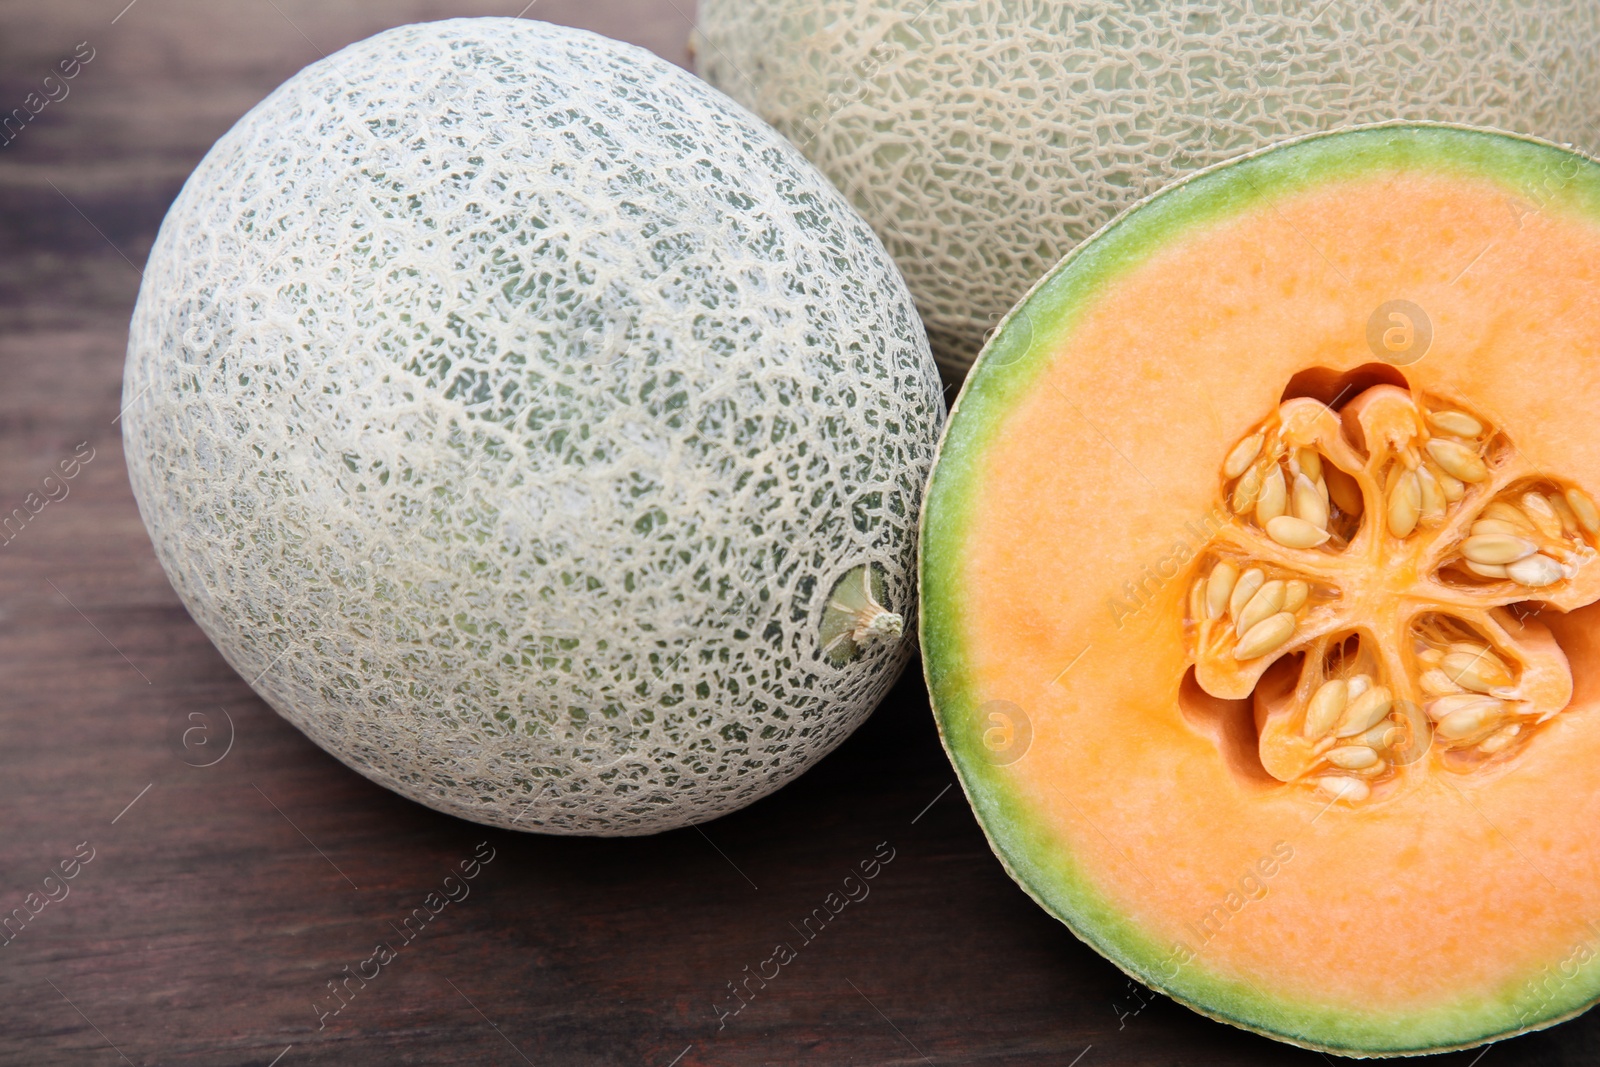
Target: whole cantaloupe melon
{"points": [[984, 138], [534, 428]]}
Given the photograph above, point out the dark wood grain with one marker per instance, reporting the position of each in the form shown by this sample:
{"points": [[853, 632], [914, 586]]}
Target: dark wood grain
{"points": [[218, 906]]}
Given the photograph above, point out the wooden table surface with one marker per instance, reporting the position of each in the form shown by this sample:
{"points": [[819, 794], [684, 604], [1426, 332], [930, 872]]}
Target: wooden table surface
{"points": [[221, 900]]}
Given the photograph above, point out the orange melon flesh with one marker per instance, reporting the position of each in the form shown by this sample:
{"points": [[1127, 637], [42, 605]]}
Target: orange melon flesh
{"points": [[1062, 523]]}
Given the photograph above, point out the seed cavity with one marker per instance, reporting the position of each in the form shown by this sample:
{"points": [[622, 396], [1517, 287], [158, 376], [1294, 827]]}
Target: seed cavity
{"points": [[1404, 485]]}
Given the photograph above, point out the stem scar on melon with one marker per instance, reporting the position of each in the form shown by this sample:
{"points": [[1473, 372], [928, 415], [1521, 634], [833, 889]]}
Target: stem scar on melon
{"points": [[854, 619]]}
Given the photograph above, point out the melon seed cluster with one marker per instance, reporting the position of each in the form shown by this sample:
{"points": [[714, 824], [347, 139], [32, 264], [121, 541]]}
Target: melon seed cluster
{"points": [[1376, 592]]}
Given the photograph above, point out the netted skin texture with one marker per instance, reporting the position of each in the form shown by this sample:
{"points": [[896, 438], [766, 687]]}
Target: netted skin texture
{"points": [[504, 401], [983, 139]]}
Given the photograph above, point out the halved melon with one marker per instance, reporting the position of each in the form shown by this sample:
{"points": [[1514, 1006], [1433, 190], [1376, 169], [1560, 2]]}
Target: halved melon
{"points": [[1256, 566]]}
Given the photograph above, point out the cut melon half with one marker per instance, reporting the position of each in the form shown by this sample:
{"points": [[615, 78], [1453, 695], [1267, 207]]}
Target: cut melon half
{"points": [[1257, 570]]}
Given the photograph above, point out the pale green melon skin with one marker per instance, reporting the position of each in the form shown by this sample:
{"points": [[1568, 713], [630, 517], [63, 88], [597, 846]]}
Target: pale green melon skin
{"points": [[1043, 865], [504, 401], [984, 138]]}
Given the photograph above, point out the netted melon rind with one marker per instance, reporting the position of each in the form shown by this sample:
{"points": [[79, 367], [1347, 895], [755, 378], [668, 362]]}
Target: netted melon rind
{"points": [[503, 402], [985, 138]]}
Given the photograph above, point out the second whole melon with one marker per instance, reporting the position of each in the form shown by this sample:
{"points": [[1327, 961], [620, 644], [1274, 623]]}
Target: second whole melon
{"points": [[983, 139]]}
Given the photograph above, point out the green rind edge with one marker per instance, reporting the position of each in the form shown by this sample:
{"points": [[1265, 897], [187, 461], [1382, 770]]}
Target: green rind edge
{"points": [[1560, 180]]}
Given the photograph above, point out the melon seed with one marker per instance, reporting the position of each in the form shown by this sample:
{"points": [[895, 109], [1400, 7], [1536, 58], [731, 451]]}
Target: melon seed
{"points": [[1246, 587], [1383, 735], [1504, 512], [1295, 594], [1219, 587], [1291, 532], [1197, 599], [1265, 636], [1486, 570], [1326, 705], [1359, 683], [1480, 673], [1352, 757], [1405, 504], [1457, 459], [1446, 706], [1343, 489], [1583, 509], [1544, 517], [1569, 521], [1244, 453], [1499, 526], [1535, 571], [1348, 789], [1499, 739], [1449, 484], [1245, 493], [1437, 683], [1497, 548], [1433, 501], [1274, 498], [1455, 422], [1267, 601], [1469, 721], [1309, 503], [1365, 711], [1310, 463]]}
